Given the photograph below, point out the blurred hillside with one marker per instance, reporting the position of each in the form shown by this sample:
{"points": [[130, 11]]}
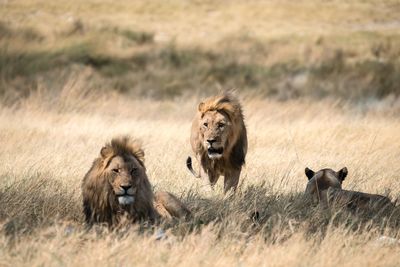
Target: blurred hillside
{"points": [[163, 49]]}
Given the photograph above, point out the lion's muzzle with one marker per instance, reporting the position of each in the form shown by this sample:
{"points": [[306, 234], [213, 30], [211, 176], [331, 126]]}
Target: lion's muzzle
{"points": [[214, 149], [125, 195], [215, 153]]}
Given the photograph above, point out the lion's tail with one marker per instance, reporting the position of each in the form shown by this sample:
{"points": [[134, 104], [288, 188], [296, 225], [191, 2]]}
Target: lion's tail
{"points": [[190, 167]]}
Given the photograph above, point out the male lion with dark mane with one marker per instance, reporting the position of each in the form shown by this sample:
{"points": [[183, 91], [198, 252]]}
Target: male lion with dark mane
{"points": [[117, 186], [219, 140]]}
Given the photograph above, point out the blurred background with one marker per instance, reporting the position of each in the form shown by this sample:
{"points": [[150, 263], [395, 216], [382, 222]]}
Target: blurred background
{"points": [[345, 50]]}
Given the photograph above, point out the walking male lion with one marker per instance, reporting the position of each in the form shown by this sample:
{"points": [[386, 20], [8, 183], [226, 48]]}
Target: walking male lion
{"points": [[117, 186], [219, 140]]}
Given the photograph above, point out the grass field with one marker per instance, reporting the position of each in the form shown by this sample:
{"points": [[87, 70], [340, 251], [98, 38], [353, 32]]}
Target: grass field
{"points": [[159, 49], [319, 84]]}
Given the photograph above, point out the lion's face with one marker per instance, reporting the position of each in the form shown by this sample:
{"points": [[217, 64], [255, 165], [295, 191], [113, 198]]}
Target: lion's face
{"points": [[124, 174], [319, 182], [214, 129]]}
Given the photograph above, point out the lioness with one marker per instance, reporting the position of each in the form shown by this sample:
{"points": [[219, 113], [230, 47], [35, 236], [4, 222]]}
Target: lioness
{"points": [[339, 198], [219, 140], [320, 181], [325, 187], [117, 185]]}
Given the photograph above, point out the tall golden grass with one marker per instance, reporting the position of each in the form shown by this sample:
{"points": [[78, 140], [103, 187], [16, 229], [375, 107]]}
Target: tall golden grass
{"points": [[47, 148], [75, 74]]}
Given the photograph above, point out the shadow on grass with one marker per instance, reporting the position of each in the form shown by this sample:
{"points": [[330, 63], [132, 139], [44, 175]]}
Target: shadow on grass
{"points": [[276, 217], [38, 202]]}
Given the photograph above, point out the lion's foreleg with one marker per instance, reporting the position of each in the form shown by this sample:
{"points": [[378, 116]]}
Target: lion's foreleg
{"points": [[88, 213], [212, 178], [169, 206], [231, 180]]}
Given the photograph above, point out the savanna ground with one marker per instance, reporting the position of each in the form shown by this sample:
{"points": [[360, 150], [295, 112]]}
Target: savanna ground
{"points": [[319, 82]]}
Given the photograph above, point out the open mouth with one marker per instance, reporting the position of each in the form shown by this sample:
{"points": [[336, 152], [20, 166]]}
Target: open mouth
{"points": [[125, 199], [215, 152]]}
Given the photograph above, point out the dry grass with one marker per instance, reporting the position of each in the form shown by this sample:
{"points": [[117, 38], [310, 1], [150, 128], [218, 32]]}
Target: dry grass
{"points": [[46, 150], [167, 49], [75, 74]]}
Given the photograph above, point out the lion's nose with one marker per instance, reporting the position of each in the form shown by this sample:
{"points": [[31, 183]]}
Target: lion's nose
{"points": [[126, 187], [211, 141]]}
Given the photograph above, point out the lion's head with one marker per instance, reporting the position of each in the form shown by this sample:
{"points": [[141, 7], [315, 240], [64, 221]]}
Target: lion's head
{"points": [[218, 125], [123, 168], [319, 182], [117, 184], [215, 133]]}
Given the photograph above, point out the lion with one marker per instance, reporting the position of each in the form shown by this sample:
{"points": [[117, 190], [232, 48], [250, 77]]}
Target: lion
{"points": [[325, 187], [117, 186], [219, 140], [320, 181], [353, 200]]}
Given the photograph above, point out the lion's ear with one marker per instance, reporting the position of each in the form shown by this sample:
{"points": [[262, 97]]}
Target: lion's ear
{"points": [[139, 154], [201, 107], [309, 173], [342, 174], [105, 151]]}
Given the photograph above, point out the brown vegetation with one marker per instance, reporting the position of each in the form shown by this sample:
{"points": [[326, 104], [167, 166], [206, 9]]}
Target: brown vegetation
{"points": [[74, 74]]}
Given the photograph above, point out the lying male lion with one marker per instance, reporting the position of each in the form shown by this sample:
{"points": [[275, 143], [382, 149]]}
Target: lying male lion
{"points": [[325, 187], [117, 185], [219, 140]]}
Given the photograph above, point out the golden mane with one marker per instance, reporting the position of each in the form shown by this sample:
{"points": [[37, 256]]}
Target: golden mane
{"points": [[235, 147], [228, 103], [225, 102]]}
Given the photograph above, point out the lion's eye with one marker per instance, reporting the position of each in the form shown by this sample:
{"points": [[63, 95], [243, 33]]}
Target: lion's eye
{"points": [[221, 125], [115, 170], [205, 124]]}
